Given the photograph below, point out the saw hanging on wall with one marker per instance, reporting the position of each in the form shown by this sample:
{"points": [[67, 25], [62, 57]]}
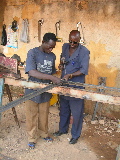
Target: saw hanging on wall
{"points": [[79, 28], [24, 37], [57, 26], [40, 23]]}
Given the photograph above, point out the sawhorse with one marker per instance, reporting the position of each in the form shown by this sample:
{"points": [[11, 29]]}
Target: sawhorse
{"points": [[6, 86]]}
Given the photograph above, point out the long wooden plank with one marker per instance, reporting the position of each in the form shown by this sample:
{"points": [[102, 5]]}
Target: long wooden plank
{"points": [[68, 91]]}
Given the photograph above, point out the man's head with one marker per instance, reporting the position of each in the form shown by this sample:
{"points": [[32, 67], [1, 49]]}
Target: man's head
{"points": [[49, 42], [74, 38]]}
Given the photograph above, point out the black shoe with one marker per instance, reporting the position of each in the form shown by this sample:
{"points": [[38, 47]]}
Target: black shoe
{"points": [[73, 141], [58, 133]]}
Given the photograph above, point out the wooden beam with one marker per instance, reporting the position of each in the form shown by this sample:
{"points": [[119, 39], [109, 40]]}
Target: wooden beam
{"points": [[78, 93]]}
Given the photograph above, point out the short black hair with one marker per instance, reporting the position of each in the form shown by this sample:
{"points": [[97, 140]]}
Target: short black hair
{"points": [[49, 36]]}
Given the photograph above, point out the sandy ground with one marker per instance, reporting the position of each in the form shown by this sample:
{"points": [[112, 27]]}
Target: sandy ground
{"points": [[97, 142]]}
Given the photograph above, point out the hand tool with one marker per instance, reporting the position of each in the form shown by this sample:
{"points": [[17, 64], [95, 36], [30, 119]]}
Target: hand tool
{"points": [[57, 26], [40, 23]]}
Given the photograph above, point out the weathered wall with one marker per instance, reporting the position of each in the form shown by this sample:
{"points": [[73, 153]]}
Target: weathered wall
{"points": [[2, 8], [101, 28]]}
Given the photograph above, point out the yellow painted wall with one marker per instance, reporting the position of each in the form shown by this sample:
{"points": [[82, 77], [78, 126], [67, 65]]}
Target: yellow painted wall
{"points": [[99, 59], [101, 29]]}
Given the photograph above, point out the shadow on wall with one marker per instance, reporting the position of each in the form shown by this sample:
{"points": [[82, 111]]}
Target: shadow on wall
{"points": [[2, 8], [108, 110], [99, 65], [101, 70]]}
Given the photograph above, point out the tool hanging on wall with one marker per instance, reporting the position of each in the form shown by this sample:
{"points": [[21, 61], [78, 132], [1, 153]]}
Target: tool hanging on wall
{"points": [[14, 26], [82, 40], [12, 35], [40, 23], [4, 36], [57, 26], [24, 37]]}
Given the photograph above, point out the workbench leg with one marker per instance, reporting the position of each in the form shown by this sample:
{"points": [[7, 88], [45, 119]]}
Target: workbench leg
{"points": [[95, 111], [1, 92], [102, 82], [10, 99]]}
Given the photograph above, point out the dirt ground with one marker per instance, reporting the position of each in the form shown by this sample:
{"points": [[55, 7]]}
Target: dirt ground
{"points": [[99, 139]]}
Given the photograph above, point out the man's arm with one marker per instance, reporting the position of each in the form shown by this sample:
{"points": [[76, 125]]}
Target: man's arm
{"points": [[69, 76], [39, 75]]}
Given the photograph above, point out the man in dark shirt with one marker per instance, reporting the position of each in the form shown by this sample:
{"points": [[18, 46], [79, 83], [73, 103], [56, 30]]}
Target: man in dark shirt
{"points": [[74, 64], [40, 65]]}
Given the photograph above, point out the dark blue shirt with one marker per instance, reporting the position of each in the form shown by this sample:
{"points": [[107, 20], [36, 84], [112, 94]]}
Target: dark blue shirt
{"points": [[43, 62], [78, 61]]}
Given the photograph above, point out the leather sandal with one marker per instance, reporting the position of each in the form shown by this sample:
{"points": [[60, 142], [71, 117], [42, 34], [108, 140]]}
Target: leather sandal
{"points": [[31, 145], [48, 139]]}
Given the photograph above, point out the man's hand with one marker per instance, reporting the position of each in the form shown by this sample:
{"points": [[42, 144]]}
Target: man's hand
{"points": [[55, 80], [66, 77], [61, 67]]}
